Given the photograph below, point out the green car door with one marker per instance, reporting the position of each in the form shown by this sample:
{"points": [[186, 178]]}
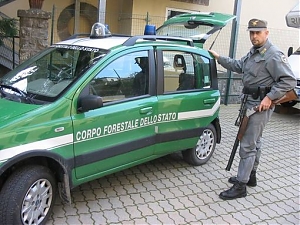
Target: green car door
{"points": [[118, 134], [188, 100], [190, 91]]}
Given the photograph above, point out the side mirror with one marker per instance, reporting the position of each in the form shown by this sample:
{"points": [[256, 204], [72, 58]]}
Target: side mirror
{"points": [[89, 102], [290, 51]]}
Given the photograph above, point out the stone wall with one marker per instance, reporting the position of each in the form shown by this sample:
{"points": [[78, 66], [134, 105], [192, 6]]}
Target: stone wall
{"points": [[33, 32]]}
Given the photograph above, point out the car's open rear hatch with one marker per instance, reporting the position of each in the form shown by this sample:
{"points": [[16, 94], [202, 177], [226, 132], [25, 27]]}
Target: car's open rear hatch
{"points": [[197, 26]]}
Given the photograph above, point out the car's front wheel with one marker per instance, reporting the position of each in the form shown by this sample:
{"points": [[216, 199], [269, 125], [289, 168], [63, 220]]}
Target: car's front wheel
{"points": [[27, 196], [204, 148]]}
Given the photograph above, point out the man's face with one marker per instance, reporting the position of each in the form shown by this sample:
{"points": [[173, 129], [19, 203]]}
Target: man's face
{"points": [[258, 38]]}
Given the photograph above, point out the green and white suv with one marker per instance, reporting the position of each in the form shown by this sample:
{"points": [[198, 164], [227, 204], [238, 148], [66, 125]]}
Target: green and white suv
{"points": [[88, 107]]}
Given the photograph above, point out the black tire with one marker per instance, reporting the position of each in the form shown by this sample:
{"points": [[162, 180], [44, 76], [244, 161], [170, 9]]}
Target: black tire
{"points": [[28, 196], [288, 104], [204, 148]]}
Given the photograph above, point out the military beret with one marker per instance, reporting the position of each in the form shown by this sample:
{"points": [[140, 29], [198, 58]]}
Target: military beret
{"points": [[257, 25]]}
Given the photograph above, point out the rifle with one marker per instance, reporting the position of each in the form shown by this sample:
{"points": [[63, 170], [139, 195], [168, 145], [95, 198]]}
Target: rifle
{"points": [[288, 96], [243, 119], [241, 122]]}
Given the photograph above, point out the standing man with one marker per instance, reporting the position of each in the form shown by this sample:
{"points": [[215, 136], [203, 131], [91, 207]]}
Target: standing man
{"points": [[266, 76]]}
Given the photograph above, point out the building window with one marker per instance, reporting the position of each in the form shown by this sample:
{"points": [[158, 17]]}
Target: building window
{"points": [[174, 12]]}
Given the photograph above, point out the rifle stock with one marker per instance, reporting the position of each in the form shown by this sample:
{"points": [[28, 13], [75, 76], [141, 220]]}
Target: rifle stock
{"points": [[288, 96], [239, 122], [243, 127], [240, 134]]}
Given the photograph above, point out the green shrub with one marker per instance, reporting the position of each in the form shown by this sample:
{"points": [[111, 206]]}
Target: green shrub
{"points": [[8, 27]]}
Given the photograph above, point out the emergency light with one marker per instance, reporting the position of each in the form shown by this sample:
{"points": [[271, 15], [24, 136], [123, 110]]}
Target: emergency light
{"points": [[150, 30], [100, 30]]}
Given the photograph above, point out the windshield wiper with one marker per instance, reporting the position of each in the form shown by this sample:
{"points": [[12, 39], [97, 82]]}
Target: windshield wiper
{"points": [[2, 94], [17, 90]]}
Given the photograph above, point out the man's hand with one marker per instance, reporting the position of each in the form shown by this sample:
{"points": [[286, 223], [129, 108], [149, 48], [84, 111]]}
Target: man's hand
{"points": [[215, 54], [265, 104]]}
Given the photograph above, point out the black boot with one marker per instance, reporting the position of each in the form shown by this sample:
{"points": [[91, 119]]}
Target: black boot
{"points": [[238, 190], [252, 179]]}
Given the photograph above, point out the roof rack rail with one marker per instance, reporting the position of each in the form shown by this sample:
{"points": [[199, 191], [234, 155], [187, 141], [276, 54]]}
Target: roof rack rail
{"points": [[78, 35], [131, 41], [88, 35]]}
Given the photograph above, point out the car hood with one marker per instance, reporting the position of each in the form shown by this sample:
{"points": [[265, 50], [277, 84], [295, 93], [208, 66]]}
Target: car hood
{"points": [[197, 26], [10, 109]]}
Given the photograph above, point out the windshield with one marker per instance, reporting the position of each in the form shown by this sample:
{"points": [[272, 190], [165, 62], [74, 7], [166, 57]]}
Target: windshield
{"points": [[49, 75]]}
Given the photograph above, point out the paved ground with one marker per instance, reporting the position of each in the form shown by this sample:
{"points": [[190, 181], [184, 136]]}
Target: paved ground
{"points": [[169, 191]]}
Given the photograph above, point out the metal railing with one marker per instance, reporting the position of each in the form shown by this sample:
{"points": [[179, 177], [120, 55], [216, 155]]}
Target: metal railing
{"points": [[4, 2], [9, 50], [9, 56]]}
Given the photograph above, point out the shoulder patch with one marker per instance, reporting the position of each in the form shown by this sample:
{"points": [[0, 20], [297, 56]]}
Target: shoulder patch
{"points": [[283, 58]]}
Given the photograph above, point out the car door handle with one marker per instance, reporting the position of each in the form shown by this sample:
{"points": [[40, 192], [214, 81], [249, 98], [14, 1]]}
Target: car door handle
{"points": [[146, 110], [209, 101]]}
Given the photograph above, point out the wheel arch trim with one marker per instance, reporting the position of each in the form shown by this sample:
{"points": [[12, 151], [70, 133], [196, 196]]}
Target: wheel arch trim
{"points": [[65, 164]]}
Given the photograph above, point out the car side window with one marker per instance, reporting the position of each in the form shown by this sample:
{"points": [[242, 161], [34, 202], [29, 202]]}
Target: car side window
{"points": [[179, 73], [125, 77], [185, 71]]}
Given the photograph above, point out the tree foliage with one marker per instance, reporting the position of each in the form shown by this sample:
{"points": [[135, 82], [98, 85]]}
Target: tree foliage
{"points": [[8, 28]]}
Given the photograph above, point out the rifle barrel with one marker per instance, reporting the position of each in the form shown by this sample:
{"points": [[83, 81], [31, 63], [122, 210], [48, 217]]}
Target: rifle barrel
{"points": [[230, 161]]}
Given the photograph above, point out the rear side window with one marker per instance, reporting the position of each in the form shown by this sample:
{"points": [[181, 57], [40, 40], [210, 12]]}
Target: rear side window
{"points": [[202, 69], [185, 71]]}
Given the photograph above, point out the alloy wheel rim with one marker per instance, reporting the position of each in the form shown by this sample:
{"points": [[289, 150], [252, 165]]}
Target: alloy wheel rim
{"points": [[36, 203], [205, 144]]}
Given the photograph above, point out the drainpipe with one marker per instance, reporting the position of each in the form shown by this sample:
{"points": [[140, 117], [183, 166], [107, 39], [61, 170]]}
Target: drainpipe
{"points": [[101, 11], [233, 43], [77, 17], [52, 25]]}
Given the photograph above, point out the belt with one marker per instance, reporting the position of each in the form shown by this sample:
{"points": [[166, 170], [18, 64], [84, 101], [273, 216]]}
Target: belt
{"points": [[256, 91]]}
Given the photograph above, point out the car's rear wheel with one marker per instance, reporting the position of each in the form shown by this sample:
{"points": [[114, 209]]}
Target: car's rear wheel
{"points": [[28, 196], [204, 148]]}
